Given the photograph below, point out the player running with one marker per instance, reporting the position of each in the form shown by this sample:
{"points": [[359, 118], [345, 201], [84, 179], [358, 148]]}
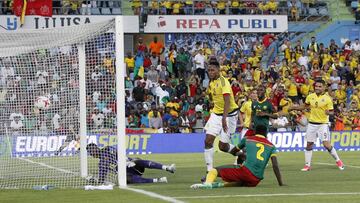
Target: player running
{"points": [[224, 116], [259, 151], [135, 167], [321, 106]]}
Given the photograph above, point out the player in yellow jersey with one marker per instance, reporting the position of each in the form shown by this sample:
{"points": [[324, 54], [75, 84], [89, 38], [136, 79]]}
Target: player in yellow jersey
{"points": [[321, 106], [245, 112], [224, 115]]}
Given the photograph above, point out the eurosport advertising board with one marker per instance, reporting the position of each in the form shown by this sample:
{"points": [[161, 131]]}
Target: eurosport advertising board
{"points": [[43, 146]]}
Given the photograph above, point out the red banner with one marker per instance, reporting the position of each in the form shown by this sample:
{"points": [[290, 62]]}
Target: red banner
{"points": [[33, 7]]}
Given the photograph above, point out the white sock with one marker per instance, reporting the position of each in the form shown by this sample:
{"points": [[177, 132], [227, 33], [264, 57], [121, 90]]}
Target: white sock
{"points": [[308, 156], [155, 180], [209, 158], [164, 167], [334, 154]]}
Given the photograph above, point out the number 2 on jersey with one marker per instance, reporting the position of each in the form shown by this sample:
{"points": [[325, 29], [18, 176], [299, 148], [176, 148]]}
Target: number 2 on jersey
{"points": [[260, 151]]}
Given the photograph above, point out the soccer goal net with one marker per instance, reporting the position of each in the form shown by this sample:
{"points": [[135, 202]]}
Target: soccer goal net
{"points": [[58, 94]]}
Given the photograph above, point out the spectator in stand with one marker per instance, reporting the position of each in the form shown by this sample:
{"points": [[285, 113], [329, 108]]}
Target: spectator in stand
{"points": [[136, 6], [221, 7], [156, 47], [153, 76], [199, 61], [155, 59], [313, 45], [181, 88], [71, 7], [156, 122], [182, 60], [130, 63], [163, 74], [139, 92], [355, 46], [173, 124], [16, 123], [185, 126], [172, 65]]}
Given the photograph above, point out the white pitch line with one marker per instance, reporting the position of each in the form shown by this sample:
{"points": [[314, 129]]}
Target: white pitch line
{"points": [[152, 194], [328, 164], [47, 166], [268, 195]]}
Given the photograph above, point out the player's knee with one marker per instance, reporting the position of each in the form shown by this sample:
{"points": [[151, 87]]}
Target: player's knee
{"points": [[224, 146], [208, 144], [209, 141], [309, 148]]}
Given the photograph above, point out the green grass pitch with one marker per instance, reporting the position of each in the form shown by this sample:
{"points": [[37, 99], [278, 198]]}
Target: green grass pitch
{"points": [[326, 180]]}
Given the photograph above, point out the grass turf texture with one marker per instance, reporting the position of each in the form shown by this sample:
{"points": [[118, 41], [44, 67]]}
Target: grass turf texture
{"points": [[190, 167]]}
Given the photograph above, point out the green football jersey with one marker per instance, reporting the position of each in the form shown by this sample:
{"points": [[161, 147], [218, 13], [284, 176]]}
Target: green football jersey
{"points": [[264, 106], [258, 152]]}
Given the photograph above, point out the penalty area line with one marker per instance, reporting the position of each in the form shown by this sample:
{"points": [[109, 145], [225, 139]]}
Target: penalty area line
{"points": [[268, 195], [153, 194], [47, 166]]}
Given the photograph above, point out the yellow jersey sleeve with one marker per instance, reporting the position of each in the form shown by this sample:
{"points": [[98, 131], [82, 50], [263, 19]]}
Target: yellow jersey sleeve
{"points": [[330, 105], [307, 100], [243, 108], [225, 86]]}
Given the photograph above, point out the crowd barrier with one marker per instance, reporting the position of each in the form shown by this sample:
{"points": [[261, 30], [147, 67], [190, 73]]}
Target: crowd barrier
{"points": [[43, 146]]}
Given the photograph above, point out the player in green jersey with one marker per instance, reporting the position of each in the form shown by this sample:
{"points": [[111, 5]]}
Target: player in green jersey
{"points": [[262, 109], [258, 152]]}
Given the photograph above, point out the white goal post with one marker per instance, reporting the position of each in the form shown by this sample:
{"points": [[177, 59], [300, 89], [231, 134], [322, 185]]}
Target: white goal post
{"points": [[60, 90]]}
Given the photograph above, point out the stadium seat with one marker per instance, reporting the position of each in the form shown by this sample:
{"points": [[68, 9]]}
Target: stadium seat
{"points": [[116, 11], [323, 11], [313, 11], [95, 11], [354, 5], [105, 11]]}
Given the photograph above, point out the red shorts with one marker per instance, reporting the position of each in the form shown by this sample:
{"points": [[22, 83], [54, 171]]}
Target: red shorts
{"points": [[242, 175]]}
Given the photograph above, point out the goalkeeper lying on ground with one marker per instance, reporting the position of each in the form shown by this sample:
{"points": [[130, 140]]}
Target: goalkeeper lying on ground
{"points": [[135, 166], [258, 152]]}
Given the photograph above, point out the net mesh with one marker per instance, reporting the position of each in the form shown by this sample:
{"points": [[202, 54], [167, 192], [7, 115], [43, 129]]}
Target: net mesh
{"points": [[39, 104]]}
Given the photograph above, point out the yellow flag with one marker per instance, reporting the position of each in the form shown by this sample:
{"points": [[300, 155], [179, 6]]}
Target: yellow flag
{"points": [[141, 72]]}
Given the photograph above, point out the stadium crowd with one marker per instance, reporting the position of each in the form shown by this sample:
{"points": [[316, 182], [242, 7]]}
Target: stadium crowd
{"points": [[295, 9], [166, 84], [171, 81]]}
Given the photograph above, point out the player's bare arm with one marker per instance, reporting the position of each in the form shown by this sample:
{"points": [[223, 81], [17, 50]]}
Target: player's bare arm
{"points": [[276, 170], [301, 107], [226, 111]]}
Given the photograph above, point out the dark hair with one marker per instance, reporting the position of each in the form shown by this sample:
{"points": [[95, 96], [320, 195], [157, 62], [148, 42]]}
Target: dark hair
{"points": [[261, 130], [320, 81], [214, 62]]}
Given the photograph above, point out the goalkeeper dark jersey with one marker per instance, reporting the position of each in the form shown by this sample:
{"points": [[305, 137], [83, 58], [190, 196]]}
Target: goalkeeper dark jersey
{"points": [[258, 152], [107, 162]]}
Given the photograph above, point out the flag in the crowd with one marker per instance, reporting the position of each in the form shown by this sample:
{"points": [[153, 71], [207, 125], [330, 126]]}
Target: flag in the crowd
{"points": [[32, 7], [141, 72]]}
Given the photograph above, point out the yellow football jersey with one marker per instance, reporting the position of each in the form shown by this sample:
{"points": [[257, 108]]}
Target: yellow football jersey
{"points": [[246, 109], [217, 89], [318, 106]]}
